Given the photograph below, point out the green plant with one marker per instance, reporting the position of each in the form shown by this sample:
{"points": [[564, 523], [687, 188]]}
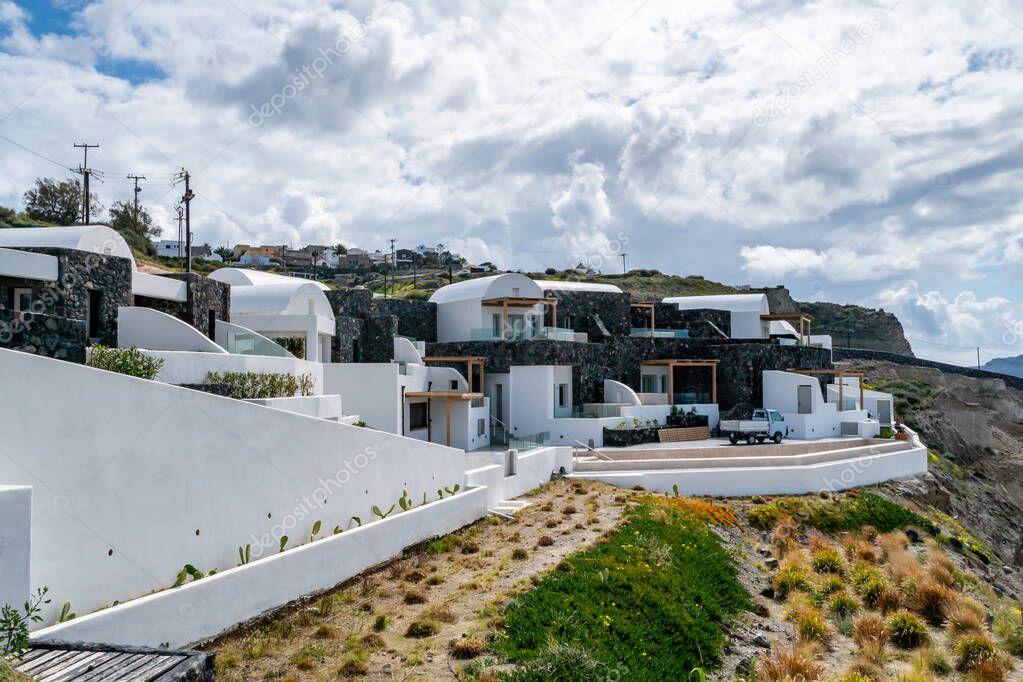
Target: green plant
{"points": [[764, 516], [419, 629], [14, 640], [244, 555], [259, 385], [792, 576], [66, 613], [906, 630], [827, 561], [128, 361], [1008, 625], [842, 604], [283, 543], [465, 649], [190, 571], [358, 521], [452, 491], [381, 514], [405, 502], [315, 531], [380, 623], [972, 649]]}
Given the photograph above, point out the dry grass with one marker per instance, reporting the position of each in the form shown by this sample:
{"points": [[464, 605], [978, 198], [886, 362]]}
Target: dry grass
{"points": [[932, 600], [869, 628], [962, 618], [790, 663], [465, 649]]}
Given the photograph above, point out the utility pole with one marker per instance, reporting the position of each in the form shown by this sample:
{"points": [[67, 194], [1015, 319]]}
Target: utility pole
{"points": [[978, 357], [624, 271], [135, 216], [394, 266], [181, 215], [85, 172], [186, 199]]}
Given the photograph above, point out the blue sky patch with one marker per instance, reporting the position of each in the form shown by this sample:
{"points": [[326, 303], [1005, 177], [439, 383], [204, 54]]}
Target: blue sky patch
{"points": [[132, 70], [51, 16]]}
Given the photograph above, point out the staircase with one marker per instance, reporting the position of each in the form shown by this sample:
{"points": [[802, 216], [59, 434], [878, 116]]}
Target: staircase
{"points": [[508, 508]]}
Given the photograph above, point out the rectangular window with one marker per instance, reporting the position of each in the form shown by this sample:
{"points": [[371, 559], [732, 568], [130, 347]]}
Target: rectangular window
{"points": [[454, 384], [562, 394], [495, 326], [95, 313], [416, 416], [648, 383], [22, 299], [481, 427]]}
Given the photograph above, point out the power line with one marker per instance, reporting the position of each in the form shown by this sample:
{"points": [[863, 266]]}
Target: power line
{"points": [[186, 199], [85, 172]]}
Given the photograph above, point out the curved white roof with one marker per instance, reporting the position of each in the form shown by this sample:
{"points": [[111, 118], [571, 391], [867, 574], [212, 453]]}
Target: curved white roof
{"points": [[557, 285], [509, 284], [91, 238], [783, 328], [736, 303], [282, 298], [241, 277]]}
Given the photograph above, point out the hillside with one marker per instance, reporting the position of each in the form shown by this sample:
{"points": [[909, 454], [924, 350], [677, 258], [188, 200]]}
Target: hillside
{"points": [[1012, 365]]}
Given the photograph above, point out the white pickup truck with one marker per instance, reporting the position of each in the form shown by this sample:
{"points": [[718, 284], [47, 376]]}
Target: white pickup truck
{"points": [[764, 424]]}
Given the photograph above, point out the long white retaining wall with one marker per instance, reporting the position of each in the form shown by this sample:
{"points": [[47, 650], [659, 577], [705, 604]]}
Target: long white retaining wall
{"points": [[132, 479], [187, 367], [15, 541], [864, 467], [202, 609]]}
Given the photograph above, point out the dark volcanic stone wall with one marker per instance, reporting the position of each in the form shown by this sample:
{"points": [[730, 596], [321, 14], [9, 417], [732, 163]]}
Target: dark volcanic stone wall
{"points": [[668, 316], [378, 334], [78, 273], [416, 319], [585, 311], [204, 295], [54, 337], [739, 371], [362, 334]]}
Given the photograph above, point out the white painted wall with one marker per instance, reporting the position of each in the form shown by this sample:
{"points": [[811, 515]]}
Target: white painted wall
{"points": [[319, 406], [15, 544], [155, 286], [183, 367], [532, 469], [28, 265], [137, 467], [370, 390], [155, 330], [823, 421], [203, 609]]}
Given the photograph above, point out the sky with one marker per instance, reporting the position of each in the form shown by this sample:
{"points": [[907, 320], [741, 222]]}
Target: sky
{"points": [[856, 152]]}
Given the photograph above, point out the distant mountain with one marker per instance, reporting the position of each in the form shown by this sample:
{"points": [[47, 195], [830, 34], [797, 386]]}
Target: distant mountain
{"points": [[1013, 366]]}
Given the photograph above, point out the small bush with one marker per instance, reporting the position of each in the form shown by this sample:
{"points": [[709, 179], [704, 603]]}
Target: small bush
{"points": [[792, 576], [372, 640], [906, 630], [790, 663], [990, 669], [545, 541], [869, 628], [785, 534], [831, 584], [569, 510], [258, 385], [827, 561], [325, 632], [465, 649], [380, 623], [352, 667], [764, 516], [415, 598], [519, 554], [1008, 625], [843, 605], [128, 361], [470, 547], [419, 629], [961, 618], [813, 626], [930, 660], [932, 600], [971, 649]]}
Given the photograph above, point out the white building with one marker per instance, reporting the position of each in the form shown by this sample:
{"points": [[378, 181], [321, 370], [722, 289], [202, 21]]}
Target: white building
{"points": [[278, 306], [746, 311], [509, 306], [170, 248], [808, 414]]}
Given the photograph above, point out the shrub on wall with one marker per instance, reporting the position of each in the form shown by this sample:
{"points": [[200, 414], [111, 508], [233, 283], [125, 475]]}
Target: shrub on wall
{"points": [[128, 361], [255, 385]]}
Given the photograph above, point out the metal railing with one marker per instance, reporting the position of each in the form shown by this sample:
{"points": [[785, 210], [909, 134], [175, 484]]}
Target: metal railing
{"points": [[659, 333], [530, 442]]}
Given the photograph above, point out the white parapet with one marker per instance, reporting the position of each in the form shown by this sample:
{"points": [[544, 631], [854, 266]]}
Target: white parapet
{"points": [[15, 543]]}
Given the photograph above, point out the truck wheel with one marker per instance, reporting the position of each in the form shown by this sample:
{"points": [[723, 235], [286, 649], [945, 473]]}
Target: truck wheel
{"points": [[777, 437], [751, 439], [733, 438]]}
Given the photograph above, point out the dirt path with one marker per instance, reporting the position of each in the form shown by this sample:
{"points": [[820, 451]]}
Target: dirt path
{"points": [[451, 589]]}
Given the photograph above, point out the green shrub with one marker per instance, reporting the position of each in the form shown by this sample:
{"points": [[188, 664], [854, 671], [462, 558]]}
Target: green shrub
{"points": [[827, 561], [128, 361], [972, 649], [1008, 626], [260, 385], [562, 662], [421, 628], [843, 605], [906, 630], [792, 576], [831, 584], [764, 516]]}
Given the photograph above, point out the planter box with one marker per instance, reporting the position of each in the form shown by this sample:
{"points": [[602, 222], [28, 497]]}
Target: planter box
{"points": [[672, 435], [620, 438], [687, 421]]}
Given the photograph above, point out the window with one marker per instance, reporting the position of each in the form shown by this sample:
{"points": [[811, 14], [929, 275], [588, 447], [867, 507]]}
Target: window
{"points": [[211, 324], [495, 327], [417, 416], [481, 427], [648, 383], [22, 299], [454, 384], [562, 394]]}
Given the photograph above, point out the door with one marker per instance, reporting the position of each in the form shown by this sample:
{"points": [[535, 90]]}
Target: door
{"points": [[884, 412], [499, 401], [804, 399]]}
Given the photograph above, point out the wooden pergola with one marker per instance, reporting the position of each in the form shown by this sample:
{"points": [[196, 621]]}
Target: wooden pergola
{"points": [[516, 302], [839, 374], [804, 320], [651, 307], [470, 362], [671, 364], [447, 396]]}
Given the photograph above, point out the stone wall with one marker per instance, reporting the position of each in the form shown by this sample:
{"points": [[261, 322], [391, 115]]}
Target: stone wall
{"points": [[416, 319], [698, 322], [597, 313], [740, 369], [378, 334], [361, 334], [79, 272], [204, 295], [39, 334]]}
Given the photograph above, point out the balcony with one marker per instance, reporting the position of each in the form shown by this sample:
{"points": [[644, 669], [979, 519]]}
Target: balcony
{"points": [[659, 333], [524, 334]]}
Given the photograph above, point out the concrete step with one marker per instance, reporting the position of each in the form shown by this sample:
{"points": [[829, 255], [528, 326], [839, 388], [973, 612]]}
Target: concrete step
{"points": [[510, 507]]}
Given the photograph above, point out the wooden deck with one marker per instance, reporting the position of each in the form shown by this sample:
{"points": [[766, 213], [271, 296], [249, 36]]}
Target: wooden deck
{"points": [[55, 661]]}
